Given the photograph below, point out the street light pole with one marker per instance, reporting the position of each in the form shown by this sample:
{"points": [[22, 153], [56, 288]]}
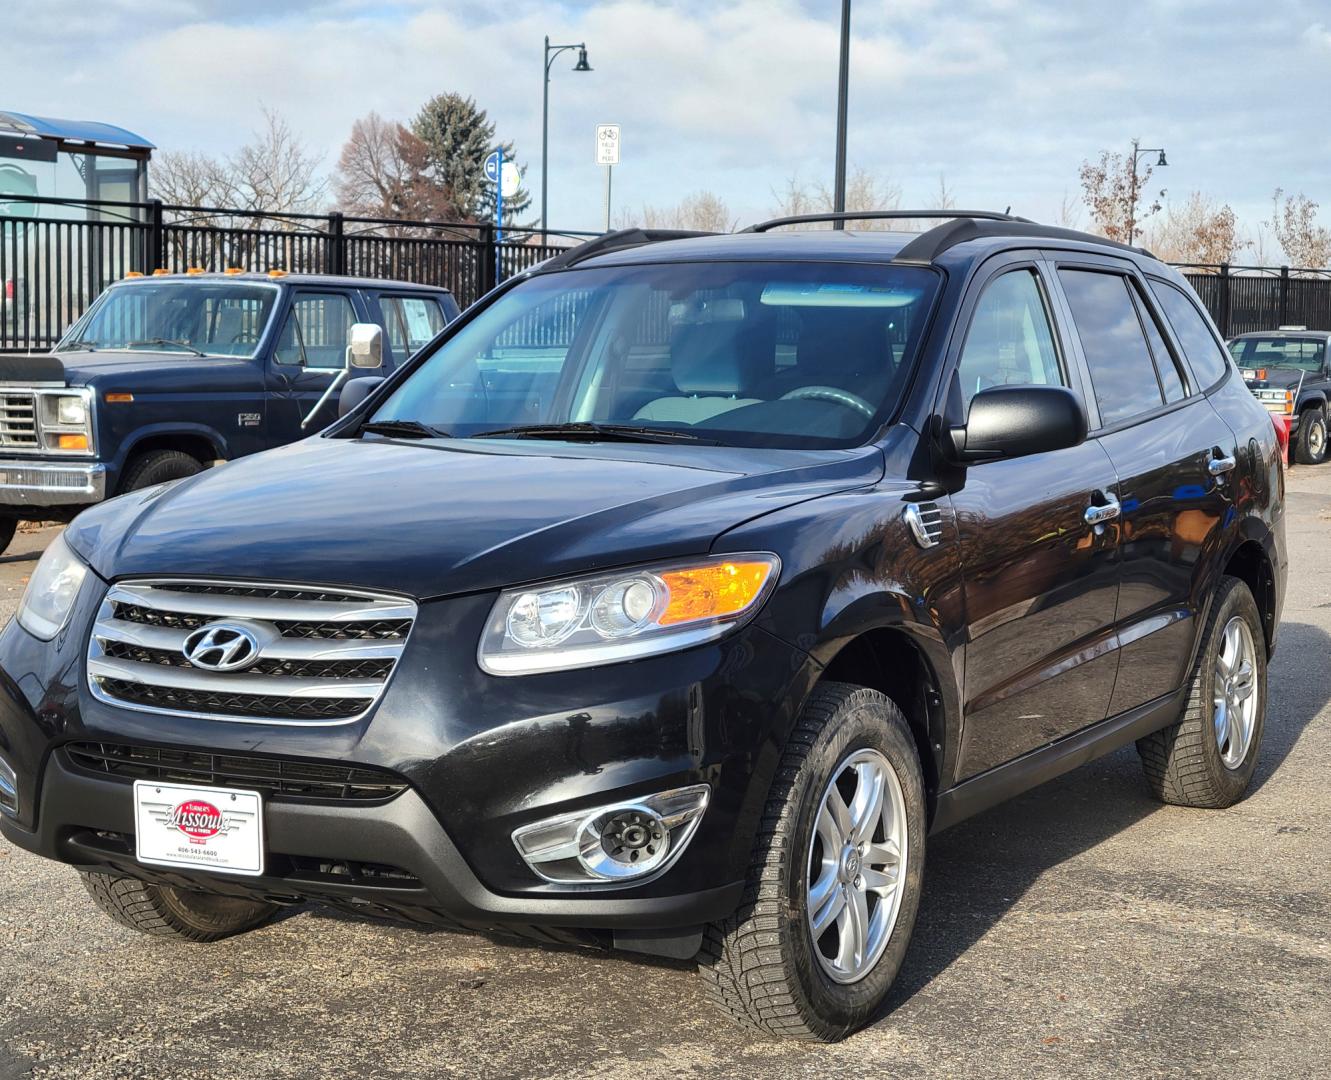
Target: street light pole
{"points": [[1134, 192], [548, 58], [843, 101]]}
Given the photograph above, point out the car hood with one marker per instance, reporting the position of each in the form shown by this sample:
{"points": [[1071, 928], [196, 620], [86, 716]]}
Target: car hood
{"points": [[141, 369], [432, 518], [1279, 378]]}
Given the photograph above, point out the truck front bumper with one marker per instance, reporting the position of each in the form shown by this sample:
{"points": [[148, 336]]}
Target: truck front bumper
{"points": [[42, 483]]}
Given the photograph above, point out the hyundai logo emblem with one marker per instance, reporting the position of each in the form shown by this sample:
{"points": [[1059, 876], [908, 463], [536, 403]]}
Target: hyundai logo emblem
{"points": [[221, 647]]}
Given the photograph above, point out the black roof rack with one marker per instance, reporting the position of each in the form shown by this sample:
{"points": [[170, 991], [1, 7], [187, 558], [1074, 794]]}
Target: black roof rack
{"points": [[616, 241], [926, 247], [880, 215]]}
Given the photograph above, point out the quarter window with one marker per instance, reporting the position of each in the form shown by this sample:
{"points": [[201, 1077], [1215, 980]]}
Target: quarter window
{"points": [[1010, 340], [1171, 382], [1205, 356], [1122, 373], [316, 331]]}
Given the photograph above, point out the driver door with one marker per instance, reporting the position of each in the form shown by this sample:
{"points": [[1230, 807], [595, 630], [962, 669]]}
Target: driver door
{"points": [[311, 349]]}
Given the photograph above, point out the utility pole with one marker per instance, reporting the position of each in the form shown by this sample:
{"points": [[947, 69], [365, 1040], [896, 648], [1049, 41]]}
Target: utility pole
{"points": [[843, 100]]}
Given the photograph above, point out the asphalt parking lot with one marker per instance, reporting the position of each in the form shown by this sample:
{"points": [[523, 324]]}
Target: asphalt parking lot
{"points": [[1082, 930]]}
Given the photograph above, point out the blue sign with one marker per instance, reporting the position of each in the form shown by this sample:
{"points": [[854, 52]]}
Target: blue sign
{"points": [[493, 166]]}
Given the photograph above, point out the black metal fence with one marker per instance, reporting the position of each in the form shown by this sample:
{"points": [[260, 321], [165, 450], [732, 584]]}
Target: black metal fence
{"points": [[54, 263], [52, 267]]}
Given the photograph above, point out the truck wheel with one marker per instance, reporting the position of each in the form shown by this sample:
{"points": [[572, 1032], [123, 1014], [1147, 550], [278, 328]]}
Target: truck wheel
{"points": [[157, 467], [163, 911], [1310, 449], [1207, 758], [834, 882], [8, 527]]}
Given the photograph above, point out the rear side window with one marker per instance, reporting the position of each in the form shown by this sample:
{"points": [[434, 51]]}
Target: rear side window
{"points": [[1199, 345], [1009, 340], [410, 322], [1122, 372]]}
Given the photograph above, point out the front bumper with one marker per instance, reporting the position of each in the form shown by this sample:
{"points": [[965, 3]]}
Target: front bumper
{"points": [[42, 483]]}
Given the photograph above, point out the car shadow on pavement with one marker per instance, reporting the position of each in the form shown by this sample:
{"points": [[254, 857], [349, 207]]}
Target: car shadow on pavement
{"points": [[979, 869]]}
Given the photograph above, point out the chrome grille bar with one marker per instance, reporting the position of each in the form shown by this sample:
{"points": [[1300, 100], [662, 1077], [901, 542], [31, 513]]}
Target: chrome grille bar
{"points": [[355, 642], [18, 420]]}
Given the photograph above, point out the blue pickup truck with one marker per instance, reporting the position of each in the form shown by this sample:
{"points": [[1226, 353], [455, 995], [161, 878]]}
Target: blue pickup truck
{"points": [[165, 375]]}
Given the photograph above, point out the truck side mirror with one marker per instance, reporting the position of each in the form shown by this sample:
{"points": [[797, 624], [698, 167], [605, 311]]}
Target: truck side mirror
{"points": [[365, 347]]}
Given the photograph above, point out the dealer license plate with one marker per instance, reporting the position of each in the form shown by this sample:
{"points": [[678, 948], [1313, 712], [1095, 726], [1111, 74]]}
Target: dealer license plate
{"points": [[203, 828]]}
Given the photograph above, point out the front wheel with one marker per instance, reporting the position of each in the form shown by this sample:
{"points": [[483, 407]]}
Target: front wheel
{"points": [[8, 527], [164, 911], [834, 884], [157, 467], [1310, 447]]}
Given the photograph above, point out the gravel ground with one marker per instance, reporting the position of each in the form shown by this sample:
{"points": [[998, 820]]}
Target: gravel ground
{"points": [[1081, 930]]}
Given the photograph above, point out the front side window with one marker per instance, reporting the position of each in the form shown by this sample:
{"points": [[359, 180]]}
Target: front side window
{"points": [[755, 354], [1205, 356], [316, 331], [1305, 354], [188, 317], [1122, 372], [1010, 340]]}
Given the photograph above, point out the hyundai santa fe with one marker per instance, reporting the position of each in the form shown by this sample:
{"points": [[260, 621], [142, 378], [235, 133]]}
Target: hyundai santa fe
{"points": [[667, 601]]}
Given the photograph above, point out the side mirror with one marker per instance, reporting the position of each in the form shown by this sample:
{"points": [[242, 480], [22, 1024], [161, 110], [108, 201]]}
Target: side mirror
{"points": [[356, 391], [1015, 421], [366, 346]]}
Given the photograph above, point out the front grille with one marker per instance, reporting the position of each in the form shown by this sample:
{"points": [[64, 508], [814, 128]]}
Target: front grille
{"points": [[18, 420], [321, 656], [277, 778]]}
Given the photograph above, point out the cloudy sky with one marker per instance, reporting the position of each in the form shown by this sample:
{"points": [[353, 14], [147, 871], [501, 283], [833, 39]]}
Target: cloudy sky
{"points": [[1003, 97]]}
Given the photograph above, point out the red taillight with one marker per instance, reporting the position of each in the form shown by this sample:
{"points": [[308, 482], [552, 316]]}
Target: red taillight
{"points": [[9, 289]]}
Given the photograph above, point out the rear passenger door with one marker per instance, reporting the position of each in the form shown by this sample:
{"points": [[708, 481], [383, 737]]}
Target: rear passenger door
{"points": [[311, 349], [1041, 583], [1171, 451]]}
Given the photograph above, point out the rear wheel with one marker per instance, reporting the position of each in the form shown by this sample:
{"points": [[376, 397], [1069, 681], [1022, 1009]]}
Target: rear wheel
{"points": [[8, 527], [1208, 757], [1310, 449], [163, 911], [157, 467], [834, 884]]}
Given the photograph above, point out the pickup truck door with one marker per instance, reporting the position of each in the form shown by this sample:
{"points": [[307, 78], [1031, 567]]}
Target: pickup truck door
{"points": [[311, 349]]}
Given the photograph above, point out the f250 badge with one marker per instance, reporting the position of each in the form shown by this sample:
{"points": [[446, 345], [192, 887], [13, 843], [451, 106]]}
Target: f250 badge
{"points": [[247, 419]]}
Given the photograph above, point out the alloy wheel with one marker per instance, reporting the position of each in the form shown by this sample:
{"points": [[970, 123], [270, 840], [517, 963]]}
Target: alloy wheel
{"points": [[856, 865], [1235, 693]]}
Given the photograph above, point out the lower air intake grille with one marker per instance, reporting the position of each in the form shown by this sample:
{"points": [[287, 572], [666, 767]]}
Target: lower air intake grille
{"points": [[278, 778]]}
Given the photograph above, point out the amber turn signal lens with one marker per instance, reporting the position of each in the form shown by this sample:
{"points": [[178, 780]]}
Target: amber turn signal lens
{"points": [[713, 591], [73, 442], [115, 399]]}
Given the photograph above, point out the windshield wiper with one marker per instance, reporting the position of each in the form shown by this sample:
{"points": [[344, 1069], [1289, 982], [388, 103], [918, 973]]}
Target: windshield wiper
{"points": [[403, 429], [167, 341], [588, 430], [91, 346]]}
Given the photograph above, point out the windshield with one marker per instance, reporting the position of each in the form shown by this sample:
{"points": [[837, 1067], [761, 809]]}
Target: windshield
{"points": [[190, 317], [745, 354], [1306, 354]]}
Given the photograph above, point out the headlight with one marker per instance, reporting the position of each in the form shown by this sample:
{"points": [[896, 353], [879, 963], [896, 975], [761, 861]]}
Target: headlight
{"points": [[604, 618], [51, 591], [65, 419], [71, 411]]}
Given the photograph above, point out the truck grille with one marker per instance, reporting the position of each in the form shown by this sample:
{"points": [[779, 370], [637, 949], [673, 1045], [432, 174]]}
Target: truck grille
{"points": [[18, 420], [319, 656], [279, 778]]}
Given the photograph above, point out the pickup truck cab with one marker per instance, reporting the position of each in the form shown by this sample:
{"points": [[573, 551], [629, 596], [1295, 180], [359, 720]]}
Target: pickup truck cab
{"points": [[1287, 371], [164, 375]]}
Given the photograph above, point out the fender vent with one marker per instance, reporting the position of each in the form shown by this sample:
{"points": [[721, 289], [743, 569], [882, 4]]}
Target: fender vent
{"points": [[926, 523]]}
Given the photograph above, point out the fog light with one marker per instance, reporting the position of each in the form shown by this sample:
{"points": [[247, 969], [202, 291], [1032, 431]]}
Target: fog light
{"points": [[8, 788], [616, 843]]}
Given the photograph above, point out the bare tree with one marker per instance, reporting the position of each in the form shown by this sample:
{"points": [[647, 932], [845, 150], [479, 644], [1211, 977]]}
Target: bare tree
{"points": [[1195, 230], [275, 172], [703, 211], [1068, 214], [1294, 222], [864, 191], [1112, 189], [383, 172], [188, 178]]}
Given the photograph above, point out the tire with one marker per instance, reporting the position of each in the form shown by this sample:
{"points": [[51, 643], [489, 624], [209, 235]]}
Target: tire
{"points": [[157, 467], [1310, 447], [162, 911], [8, 527], [762, 966], [1191, 762]]}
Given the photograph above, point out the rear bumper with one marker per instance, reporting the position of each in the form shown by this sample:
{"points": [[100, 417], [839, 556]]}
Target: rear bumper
{"points": [[88, 822], [43, 483]]}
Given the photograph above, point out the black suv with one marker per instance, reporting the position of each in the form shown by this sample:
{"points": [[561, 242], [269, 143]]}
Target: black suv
{"points": [[668, 600]]}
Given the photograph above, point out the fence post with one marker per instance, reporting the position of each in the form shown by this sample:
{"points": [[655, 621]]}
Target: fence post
{"points": [[1225, 306], [489, 253], [337, 243], [156, 239], [1284, 296]]}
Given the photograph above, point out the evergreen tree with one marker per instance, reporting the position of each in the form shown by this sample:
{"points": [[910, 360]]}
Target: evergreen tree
{"points": [[458, 136]]}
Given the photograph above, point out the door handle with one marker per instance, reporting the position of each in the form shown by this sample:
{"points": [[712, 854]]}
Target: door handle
{"points": [[1218, 466], [1098, 515]]}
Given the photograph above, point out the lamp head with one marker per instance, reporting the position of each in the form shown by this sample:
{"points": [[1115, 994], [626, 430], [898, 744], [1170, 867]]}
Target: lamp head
{"points": [[582, 64]]}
